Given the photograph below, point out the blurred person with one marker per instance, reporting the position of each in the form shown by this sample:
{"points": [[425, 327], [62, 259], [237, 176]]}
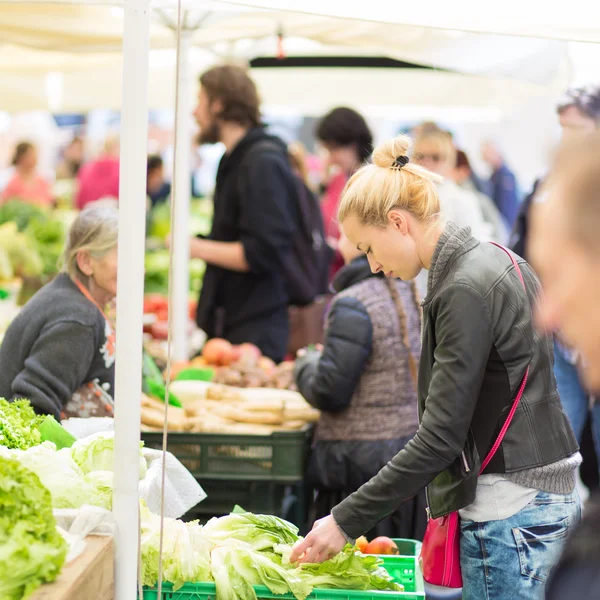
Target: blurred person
{"points": [[306, 322], [365, 387], [59, 352], [564, 246], [346, 137], [579, 116], [26, 184], [502, 184], [244, 295], [99, 178], [482, 359], [464, 176], [158, 189], [436, 152], [72, 159], [298, 161]]}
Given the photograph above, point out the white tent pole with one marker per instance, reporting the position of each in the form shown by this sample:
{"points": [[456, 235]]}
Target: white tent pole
{"points": [[179, 230], [130, 293]]}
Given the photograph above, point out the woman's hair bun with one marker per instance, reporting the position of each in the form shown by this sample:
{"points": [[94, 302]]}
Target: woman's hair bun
{"points": [[387, 153]]}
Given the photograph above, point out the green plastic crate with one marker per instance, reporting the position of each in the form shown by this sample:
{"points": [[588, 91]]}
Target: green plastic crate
{"points": [[408, 547], [279, 457], [403, 569]]}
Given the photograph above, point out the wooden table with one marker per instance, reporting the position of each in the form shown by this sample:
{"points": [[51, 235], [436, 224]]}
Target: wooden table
{"points": [[89, 577]]}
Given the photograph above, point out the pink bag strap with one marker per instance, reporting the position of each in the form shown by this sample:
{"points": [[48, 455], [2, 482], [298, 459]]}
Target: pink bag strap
{"points": [[511, 414]]}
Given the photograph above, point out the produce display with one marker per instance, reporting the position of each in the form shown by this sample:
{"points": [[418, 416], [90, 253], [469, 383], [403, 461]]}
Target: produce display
{"points": [[156, 315], [209, 408], [241, 366], [157, 257], [31, 240], [242, 550], [74, 476], [32, 551]]}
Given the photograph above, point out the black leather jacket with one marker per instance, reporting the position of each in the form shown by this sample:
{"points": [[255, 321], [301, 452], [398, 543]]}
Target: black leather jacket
{"points": [[478, 339]]}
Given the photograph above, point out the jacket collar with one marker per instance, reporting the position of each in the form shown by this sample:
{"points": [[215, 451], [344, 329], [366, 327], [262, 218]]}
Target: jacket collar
{"points": [[453, 242], [355, 272]]}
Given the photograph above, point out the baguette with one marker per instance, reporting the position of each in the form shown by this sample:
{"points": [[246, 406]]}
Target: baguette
{"points": [[244, 416], [308, 414], [292, 425]]}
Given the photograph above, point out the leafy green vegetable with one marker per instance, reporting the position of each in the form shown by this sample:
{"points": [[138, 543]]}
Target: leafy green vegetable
{"points": [[261, 532], [100, 485], [59, 473], [186, 553], [237, 566], [48, 238], [96, 453], [349, 570], [32, 551], [249, 550], [21, 213], [23, 255], [19, 425]]}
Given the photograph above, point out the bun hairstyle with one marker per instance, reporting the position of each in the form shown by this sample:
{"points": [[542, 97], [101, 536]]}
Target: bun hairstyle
{"points": [[390, 182]]}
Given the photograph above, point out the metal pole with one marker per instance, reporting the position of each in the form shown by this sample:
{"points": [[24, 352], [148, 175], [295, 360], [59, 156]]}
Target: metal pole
{"points": [[179, 231], [130, 293]]}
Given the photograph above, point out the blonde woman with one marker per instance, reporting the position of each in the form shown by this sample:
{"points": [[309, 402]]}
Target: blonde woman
{"points": [[59, 352], [478, 343]]}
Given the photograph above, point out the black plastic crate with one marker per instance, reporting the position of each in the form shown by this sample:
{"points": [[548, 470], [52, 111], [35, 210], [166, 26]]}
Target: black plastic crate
{"points": [[279, 457]]}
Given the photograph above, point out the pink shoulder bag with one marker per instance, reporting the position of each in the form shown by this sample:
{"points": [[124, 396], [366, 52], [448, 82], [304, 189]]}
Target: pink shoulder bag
{"points": [[440, 552]]}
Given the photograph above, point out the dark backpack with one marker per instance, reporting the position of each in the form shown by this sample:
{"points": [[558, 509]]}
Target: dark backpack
{"points": [[309, 260]]}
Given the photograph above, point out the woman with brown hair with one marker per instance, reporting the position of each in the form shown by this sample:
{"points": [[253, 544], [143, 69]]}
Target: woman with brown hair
{"points": [[364, 382]]}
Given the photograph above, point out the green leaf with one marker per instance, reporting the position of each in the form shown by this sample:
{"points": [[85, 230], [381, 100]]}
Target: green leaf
{"points": [[32, 551], [19, 425]]}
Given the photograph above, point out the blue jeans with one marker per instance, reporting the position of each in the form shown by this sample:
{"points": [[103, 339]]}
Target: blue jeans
{"points": [[574, 398], [512, 558]]}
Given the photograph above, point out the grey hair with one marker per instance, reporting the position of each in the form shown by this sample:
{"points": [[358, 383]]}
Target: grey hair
{"points": [[95, 230]]}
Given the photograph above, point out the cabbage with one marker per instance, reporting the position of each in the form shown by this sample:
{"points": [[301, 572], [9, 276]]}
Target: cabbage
{"points": [[262, 532], [19, 425], [349, 570], [58, 473], [96, 453], [100, 485], [237, 566], [243, 550], [32, 551], [185, 551]]}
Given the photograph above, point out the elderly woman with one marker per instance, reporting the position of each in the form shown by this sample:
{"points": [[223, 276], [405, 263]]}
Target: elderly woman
{"points": [[60, 351]]}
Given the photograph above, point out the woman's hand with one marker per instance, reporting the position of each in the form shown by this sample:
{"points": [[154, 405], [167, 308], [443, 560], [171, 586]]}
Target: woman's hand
{"points": [[325, 541]]}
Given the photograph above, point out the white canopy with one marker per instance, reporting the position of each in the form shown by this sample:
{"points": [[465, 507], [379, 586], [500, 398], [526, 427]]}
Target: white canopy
{"points": [[64, 82], [227, 30], [578, 20]]}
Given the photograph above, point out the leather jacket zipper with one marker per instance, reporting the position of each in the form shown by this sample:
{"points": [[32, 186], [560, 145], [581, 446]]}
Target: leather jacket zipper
{"points": [[465, 463]]}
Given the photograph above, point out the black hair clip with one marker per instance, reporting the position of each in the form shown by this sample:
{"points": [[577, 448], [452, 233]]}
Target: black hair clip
{"points": [[401, 161]]}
